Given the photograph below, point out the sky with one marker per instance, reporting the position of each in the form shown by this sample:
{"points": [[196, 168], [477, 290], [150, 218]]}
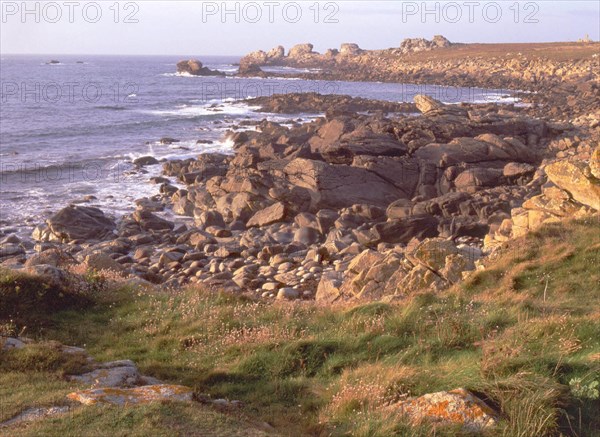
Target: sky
{"points": [[238, 27]]}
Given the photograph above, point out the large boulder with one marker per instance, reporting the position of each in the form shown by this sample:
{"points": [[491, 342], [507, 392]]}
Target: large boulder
{"points": [[571, 177], [51, 257], [250, 69], [9, 250], [81, 223], [103, 262], [431, 253], [595, 163], [300, 50], [339, 186], [351, 49], [328, 290], [415, 45], [361, 142], [404, 174], [271, 214], [275, 54], [427, 104], [401, 231], [151, 222], [195, 68], [440, 41], [484, 148], [476, 178]]}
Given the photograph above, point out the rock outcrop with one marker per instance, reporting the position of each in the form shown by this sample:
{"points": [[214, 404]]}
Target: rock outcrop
{"points": [[133, 396], [195, 68], [455, 407], [416, 45]]}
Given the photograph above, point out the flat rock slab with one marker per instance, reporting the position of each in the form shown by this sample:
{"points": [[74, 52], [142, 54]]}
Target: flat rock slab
{"points": [[117, 376], [130, 396], [33, 414]]}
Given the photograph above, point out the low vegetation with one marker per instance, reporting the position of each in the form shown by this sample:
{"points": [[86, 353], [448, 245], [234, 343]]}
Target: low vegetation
{"points": [[524, 334]]}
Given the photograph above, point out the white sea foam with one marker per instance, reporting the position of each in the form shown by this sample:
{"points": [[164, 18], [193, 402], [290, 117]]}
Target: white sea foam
{"points": [[206, 109]]}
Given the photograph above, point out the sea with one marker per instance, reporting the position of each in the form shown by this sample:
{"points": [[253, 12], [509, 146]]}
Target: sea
{"points": [[71, 126]]}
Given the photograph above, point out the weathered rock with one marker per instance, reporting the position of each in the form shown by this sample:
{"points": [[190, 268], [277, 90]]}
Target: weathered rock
{"points": [[101, 261], [33, 414], [427, 104], [8, 250], [431, 253], [81, 223], [52, 257], [476, 178], [415, 45], [350, 49], [300, 50], [195, 68], [145, 160], [595, 163], [7, 343], [475, 150], [517, 169], [151, 222], [455, 407], [51, 274], [329, 286], [288, 293], [338, 186], [131, 396], [365, 261], [271, 214], [112, 374], [571, 177]]}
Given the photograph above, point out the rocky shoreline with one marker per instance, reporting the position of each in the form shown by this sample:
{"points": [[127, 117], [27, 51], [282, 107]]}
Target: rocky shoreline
{"points": [[372, 200], [560, 80], [366, 202]]}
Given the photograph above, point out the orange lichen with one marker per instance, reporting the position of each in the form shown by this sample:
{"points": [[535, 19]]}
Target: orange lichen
{"points": [[455, 407]]}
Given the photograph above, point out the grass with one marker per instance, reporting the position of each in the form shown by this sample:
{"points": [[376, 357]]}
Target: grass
{"points": [[518, 332]]}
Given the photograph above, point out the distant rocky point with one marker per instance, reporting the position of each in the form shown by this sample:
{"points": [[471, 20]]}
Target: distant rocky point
{"points": [[195, 68], [304, 55]]}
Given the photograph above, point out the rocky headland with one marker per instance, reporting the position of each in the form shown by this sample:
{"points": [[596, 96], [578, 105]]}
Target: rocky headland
{"points": [[560, 79]]}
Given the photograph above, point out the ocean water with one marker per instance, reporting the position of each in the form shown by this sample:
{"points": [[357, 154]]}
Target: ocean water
{"points": [[71, 129]]}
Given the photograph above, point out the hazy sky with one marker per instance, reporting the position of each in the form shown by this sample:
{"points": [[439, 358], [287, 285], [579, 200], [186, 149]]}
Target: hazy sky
{"points": [[200, 28]]}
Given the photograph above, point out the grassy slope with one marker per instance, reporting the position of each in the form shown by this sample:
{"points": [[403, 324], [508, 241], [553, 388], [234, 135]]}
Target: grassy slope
{"points": [[518, 331]]}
